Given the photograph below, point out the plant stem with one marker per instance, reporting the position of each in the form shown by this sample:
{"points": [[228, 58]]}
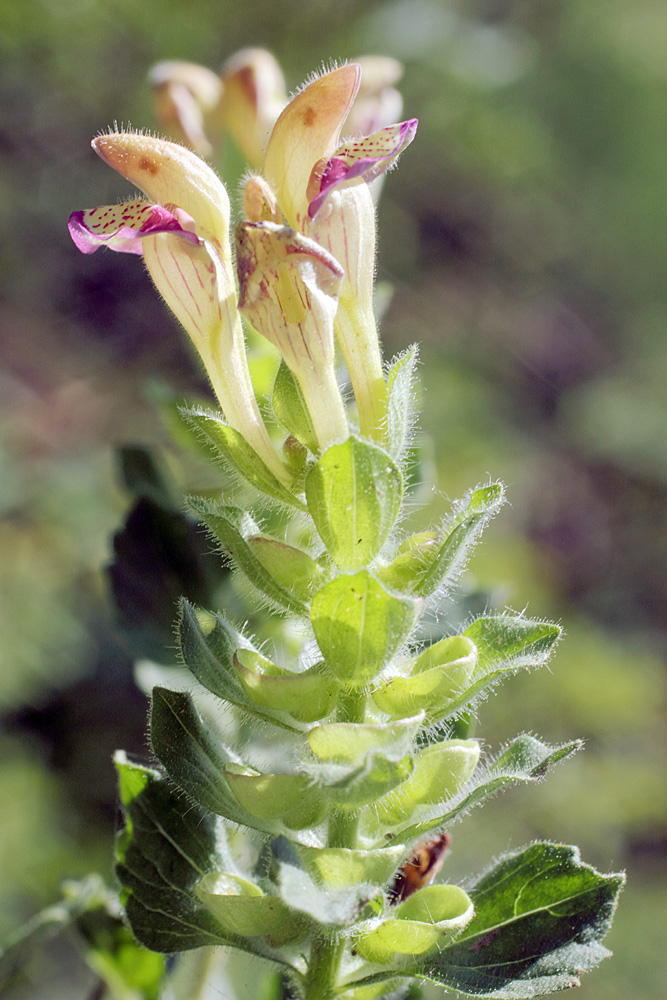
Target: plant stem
{"points": [[326, 953], [325, 956], [351, 705]]}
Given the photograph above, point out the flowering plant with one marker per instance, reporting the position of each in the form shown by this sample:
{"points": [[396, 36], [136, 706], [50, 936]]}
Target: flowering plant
{"points": [[309, 828]]}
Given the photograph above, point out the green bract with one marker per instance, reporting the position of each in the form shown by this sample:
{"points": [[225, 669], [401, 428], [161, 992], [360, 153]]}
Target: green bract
{"points": [[359, 625], [419, 925], [354, 495]]}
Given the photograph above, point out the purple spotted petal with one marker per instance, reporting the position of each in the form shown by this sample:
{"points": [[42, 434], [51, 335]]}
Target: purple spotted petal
{"points": [[363, 158], [122, 227]]}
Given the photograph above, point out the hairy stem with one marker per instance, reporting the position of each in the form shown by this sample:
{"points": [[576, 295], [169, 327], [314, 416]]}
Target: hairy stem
{"points": [[326, 953]]}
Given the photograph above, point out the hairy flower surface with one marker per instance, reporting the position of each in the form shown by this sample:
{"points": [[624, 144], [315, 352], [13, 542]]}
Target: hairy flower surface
{"points": [[182, 231], [322, 188], [289, 289]]}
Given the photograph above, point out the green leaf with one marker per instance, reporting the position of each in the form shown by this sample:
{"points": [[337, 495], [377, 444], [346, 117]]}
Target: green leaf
{"points": [[513, 639], [350, 786], [338, 867], [352, 742], [195, 758], [426, 920], [354, 495], [290, 408], [240, 907], [440, 675], [307, 696], [359, 625], [332, 907], [505, 644], [291, 798], [231, 527], [526, 759], [209, 655], [462, 531], [292, 569], [400, 406], [411, 560], [230, 446], [540, 915], [439, 773], [167, 845]]}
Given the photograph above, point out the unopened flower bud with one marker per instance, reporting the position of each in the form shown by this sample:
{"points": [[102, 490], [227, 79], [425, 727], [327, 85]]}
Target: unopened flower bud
{"points": [[259, 201], [184, 95], [378, 103], [254, 95]]}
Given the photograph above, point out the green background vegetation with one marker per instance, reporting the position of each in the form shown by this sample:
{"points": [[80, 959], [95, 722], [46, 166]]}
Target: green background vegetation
{"points": [[524, 235]]}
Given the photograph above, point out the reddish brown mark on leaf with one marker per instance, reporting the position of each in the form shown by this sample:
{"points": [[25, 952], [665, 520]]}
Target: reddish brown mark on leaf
{"points": [[486, 939]]}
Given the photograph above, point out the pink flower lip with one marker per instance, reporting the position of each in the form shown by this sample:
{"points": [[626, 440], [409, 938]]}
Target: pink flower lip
{"points": [[123, 227], [366, 158]]}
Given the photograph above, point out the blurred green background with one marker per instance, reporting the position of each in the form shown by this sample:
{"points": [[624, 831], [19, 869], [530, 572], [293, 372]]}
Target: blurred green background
{"points": [[524, 235]]}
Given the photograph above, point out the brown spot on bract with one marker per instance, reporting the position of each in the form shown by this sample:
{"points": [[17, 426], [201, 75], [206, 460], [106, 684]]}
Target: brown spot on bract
{"points": [[150, 166], [309, 116]]}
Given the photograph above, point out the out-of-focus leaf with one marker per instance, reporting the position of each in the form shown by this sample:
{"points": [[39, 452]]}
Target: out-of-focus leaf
{"points": [[142, 476], [95, 915], [159, 556]]}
